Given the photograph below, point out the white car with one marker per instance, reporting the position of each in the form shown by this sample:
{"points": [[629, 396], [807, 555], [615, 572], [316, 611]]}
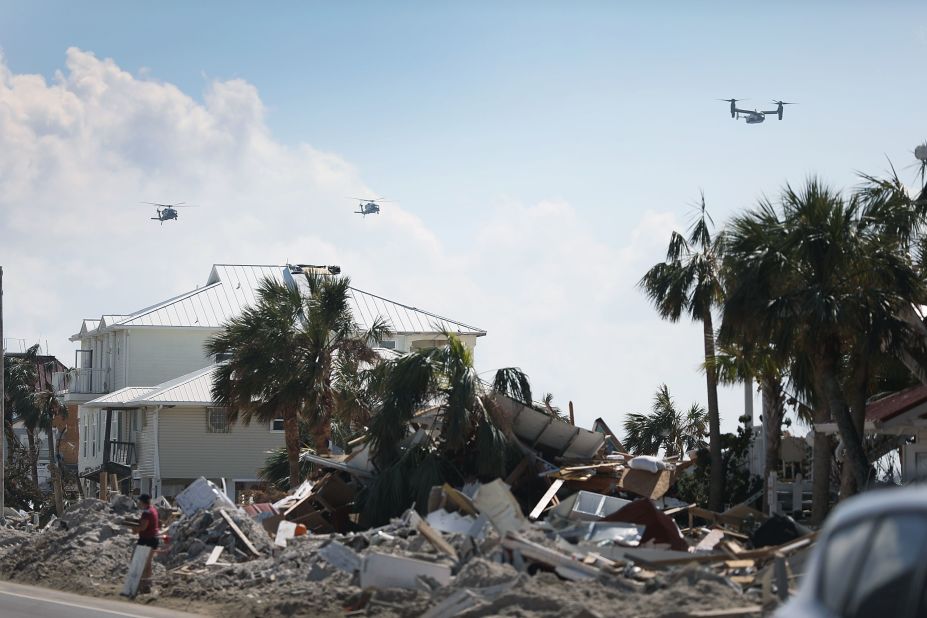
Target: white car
{"points": [[870, 560]]}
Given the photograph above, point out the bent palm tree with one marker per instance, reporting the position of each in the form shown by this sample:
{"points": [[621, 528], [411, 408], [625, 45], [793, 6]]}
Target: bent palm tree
{"points": [[689, 282], [281, 352], [472, 439]]}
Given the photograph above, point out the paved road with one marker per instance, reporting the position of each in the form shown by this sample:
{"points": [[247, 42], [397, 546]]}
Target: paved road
{"points": [[19, 601]]}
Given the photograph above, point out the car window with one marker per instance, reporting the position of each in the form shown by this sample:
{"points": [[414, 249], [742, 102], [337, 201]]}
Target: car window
{"points": [[841, 557], [883, 587]]}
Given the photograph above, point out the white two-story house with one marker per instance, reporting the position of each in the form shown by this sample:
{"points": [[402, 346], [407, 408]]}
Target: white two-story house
{"points": [[141, 383]]}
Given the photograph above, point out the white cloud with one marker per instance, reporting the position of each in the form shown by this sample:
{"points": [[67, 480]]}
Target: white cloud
{"points": [[79, 152]]}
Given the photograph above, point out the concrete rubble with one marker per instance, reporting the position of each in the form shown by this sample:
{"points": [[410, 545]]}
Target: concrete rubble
{"points": [[573, 530], [495, 563]]}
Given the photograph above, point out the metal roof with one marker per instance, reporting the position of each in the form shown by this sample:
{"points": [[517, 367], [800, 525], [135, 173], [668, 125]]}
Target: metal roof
{"points": [[117, 398], [232, 287], [192, 388]]}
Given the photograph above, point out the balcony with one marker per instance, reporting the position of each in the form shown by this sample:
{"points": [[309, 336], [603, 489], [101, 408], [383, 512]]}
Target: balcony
{"points": [[122, 453], [116, 458], [81, 381]]}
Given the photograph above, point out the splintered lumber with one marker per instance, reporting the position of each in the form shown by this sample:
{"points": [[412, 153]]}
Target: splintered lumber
{"points": [[734, 612], [548, 556], [750, 554], [546, 498], [708, 543], [678, 509], [214, 554], [241, 535], [436, 539], [459, 500]]}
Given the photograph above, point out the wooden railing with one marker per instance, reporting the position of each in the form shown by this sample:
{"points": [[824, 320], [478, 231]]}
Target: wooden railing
{"points": [[121, 453]]}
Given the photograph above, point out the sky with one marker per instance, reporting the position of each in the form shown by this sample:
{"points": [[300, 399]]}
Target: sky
{"points": [[537, 156]]}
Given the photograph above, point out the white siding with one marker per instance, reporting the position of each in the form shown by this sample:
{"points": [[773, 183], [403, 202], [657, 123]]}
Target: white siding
{"points": [[161, 354], [188, 451], [147, 444], [90, 431]]}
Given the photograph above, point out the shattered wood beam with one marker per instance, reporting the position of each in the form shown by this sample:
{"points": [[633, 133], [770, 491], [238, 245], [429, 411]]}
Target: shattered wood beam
{"points": [[436, 539], [241, 535], [546, 498]]}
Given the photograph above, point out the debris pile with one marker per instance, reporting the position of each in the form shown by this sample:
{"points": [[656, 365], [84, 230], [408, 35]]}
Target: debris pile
{"points": [[86, 550], [575, 529], [240, 536]]}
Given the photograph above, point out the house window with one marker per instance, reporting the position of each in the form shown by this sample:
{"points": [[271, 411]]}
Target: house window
{"points": [[276, 425], [217, 420], [389, 344]]}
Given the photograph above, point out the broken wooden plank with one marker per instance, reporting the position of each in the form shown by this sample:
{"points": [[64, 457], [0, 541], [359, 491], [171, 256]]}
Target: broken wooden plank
{"points": [[545, 499], [733, 612], [436, 539], [548, 556], [241, 535], [711, 539], [459, 500], [214, 554]]}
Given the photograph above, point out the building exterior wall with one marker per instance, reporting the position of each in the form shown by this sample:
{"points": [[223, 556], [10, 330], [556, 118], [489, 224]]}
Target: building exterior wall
{"points": [[188, 451], [156, 354], [69, 445]]}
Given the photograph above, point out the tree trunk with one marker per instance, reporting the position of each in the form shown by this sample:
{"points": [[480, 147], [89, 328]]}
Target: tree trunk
{"points": [[12, 442], [773, 411], [33, 457], [857, 403], [855, 454], [820, 467], [820, 470], [55, 472], [291, 437], [716, 483]]}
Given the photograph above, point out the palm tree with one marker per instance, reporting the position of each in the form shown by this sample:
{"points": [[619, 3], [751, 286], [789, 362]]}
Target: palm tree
{"points": [[745, 363], [472, 440], [666, 427], [49, 409], [281, 354], [21, 380], [689, 282], [817, 276]]}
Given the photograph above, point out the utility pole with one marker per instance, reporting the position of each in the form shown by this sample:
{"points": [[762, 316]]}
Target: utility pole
{"points": [[2, 410]]}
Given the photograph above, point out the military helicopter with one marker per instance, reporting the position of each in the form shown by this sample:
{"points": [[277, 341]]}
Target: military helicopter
{"points": [[754, 116], [169, 210], [367, 206]]}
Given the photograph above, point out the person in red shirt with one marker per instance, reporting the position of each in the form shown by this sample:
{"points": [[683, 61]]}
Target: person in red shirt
{"points": [[149, 532]]}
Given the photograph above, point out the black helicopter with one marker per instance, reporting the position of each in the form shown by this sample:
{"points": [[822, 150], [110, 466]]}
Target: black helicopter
{"points": [[167, 212], [367, 206]]}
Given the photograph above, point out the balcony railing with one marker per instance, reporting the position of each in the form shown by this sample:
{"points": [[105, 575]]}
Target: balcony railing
{"points": [[81, 381], [122, 453]]}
